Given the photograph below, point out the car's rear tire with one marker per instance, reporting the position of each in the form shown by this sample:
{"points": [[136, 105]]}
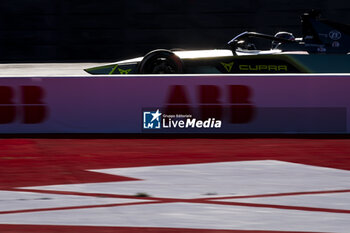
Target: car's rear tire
{"points": [[161, 61]]}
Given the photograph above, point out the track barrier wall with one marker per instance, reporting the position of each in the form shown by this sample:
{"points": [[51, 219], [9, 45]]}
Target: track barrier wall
{"points": [[281, 104]]}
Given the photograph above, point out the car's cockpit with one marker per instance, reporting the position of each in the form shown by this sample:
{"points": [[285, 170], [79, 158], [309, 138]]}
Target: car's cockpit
{"points": [[245, 43]]}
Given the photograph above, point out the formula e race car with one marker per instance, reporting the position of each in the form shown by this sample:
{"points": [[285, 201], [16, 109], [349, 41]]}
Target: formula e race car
{"points": [[322, 41]]}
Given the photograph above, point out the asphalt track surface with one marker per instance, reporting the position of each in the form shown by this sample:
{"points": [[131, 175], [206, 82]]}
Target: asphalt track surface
{"points": [[174, 185]]}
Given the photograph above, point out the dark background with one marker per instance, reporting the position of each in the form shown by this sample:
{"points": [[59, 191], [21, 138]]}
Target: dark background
{"points": [[102, 30]]}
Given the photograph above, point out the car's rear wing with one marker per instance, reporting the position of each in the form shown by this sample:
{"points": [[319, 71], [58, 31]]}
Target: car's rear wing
{"points": [[318, 36], [324, 36]]}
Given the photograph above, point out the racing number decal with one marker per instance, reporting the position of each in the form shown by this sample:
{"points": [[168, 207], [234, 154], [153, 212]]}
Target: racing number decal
{"points": [[239, 106], [30, 110]]}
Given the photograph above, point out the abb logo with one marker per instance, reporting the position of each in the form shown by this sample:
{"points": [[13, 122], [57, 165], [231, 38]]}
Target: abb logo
{"points": [[30, 109], [238, 106]]}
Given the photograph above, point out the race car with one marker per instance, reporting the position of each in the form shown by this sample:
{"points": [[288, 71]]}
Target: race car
{"points": [[322, 42]]}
